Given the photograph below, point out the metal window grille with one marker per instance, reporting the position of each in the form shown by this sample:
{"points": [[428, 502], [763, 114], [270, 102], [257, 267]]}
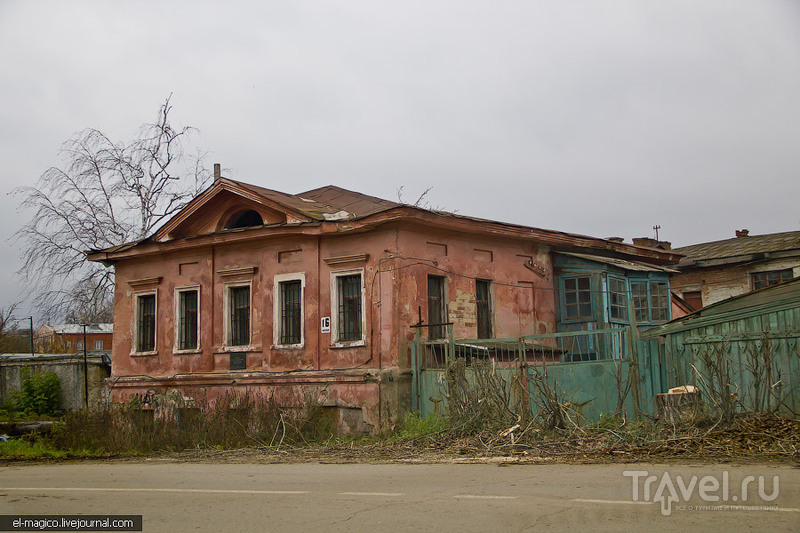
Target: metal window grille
{"points": [[239, 301], [578, 297], [617, 297], [349, 299], [483, 308], [436, 307], [146, 323], [291, 308], [187, 309]]}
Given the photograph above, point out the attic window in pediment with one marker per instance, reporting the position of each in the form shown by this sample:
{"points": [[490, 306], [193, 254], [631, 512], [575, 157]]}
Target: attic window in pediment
{"points": [[244, 219]]}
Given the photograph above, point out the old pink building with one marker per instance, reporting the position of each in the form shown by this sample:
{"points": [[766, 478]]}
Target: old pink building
{"points": [[249, 288]]}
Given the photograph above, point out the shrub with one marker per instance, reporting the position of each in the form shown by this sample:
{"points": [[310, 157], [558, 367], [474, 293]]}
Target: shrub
{"points": [[39, 394]]}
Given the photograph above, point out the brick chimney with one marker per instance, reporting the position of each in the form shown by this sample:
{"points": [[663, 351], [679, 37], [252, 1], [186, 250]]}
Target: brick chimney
{"points": [[742, 233], [217, 171]]}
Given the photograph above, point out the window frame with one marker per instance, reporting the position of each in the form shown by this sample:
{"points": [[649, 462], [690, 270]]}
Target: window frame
{"points": [[336, 342], [565, 306], [437, 332], [178, 320], [649, 298], [277, 309], [228, 330], [96, 343], [488, 320], [135, 337], [611, 303], [780, 273]]}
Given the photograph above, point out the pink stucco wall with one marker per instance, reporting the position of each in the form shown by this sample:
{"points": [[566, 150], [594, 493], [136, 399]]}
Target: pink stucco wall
{"points": [[396, 260]]}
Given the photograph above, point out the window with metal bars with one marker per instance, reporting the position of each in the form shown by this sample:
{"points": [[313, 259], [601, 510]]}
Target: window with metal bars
{"points": [[291, 311], [483, 306], [187, 319], [348, 292], [239, 315], [436, 307], [145, 322]]}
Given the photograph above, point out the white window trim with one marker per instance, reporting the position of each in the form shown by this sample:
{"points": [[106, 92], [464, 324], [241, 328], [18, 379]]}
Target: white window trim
{"points": [[276, 309], [227, 318], [335, 343], [134, 325], [177, 322], [101, 345]]}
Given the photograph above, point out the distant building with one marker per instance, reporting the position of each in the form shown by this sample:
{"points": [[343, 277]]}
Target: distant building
{"points": [[714, 271], [65, 338]]}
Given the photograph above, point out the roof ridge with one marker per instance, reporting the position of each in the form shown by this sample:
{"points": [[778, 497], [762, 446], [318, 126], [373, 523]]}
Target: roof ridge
{"points": [[336, 187], [738, 239]]}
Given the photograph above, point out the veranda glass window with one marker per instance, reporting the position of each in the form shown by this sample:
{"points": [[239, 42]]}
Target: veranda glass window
{"points": [[577, 297], [617, 299]]}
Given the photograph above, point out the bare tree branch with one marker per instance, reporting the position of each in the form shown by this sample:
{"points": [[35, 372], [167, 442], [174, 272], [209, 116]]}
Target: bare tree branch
{"points": [[106, 193]]}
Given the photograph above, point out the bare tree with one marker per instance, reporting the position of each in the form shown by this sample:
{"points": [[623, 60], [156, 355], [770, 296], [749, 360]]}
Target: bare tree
{"points": [[11, 341], [106, 193]]}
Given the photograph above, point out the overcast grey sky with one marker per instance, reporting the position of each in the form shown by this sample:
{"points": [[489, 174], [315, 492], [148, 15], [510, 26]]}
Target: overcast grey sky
{"points": [[595, 117]]}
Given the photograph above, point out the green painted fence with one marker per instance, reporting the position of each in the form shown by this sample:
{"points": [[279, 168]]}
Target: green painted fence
{"points": [[756, 347], [588, 370]]}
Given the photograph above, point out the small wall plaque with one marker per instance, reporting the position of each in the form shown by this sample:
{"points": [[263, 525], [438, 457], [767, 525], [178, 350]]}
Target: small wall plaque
{"points": [[238, 361]]}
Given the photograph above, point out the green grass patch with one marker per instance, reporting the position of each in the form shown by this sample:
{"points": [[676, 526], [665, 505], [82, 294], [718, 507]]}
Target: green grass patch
{"points": [[415, 426], [29, 449]]}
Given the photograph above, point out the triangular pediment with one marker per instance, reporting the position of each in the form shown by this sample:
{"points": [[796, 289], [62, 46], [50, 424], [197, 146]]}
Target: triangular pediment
{"points": [[224, 205]]}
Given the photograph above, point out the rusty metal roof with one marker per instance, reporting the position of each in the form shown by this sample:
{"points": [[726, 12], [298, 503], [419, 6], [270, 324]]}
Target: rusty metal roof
{"points": [[739, 246], [327, 203], [331, 203], [633, 266]]}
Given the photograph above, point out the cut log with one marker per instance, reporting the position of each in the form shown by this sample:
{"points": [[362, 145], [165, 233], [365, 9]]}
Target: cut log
{"points": [[674, 406]]}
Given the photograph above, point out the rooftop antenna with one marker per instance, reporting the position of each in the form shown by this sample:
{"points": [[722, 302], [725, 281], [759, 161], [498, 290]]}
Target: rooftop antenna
{"points": [[657, 227]]}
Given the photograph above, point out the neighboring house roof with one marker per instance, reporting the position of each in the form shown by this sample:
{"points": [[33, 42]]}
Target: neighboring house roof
{"points": [[325, 209], [74, 329], [738, 249], [773, 298], [633, 266]]}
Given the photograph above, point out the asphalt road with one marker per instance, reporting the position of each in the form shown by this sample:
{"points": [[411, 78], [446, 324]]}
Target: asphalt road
{"points": [[179, 497]]}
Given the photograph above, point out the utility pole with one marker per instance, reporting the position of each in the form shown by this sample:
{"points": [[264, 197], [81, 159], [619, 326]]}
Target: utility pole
{"points": [[31, 318], [85, 371], [657, 227]]}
